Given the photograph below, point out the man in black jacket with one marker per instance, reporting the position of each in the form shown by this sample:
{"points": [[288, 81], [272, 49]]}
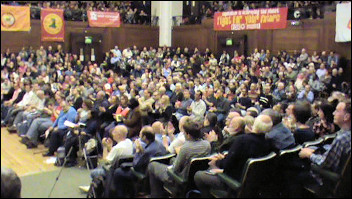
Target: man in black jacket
{"points": [[249, 145]]}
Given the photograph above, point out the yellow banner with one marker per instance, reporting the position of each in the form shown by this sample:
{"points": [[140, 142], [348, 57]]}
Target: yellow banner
{"points": [[15, 18]]}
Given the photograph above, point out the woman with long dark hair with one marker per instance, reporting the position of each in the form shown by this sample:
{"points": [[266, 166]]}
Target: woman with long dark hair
{"points": [[211, 131], [325, 125]]}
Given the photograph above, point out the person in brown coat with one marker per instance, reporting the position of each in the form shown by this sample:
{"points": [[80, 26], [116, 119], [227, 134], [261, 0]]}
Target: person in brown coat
{"points": [[134, 119]]}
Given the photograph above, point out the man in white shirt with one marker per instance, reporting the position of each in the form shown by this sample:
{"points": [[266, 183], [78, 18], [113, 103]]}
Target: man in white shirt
{"points": [[34, 108], [22, 105], [124, 147], [198, 107]]}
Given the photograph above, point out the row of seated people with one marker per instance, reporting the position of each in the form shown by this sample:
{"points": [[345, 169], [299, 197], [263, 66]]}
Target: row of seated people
{"points": [[301, 113], [245, 141]]}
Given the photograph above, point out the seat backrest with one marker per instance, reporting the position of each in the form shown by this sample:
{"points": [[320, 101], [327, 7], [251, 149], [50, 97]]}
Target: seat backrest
{"points": [[343, 186], [197, 164], [289, 159], [316, 142], [328, 139], [119, 160], [165, 159], [256, 174]]}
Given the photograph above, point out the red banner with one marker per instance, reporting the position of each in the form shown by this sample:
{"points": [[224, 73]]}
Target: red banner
{"points": [[103, 19], [259, 19], [53, 25]]}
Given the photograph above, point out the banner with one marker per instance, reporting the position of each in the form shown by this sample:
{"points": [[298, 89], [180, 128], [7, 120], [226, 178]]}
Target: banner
{"points": [[15, 18], [103, 19], [343, 22], [53, 25], [259, 19]]}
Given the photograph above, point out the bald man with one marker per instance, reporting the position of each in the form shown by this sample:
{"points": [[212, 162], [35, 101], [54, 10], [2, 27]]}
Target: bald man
{"points": [[160, 133], [124, 147], [229, 117], [235, 128], [245, 146]]}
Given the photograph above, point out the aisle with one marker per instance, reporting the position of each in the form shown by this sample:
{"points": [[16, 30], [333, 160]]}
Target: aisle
{"points": [[23, 161]]}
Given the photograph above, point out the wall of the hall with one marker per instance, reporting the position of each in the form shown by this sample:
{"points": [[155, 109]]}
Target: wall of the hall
{"points": [[126, 35], [318, 34], [313, 35]]}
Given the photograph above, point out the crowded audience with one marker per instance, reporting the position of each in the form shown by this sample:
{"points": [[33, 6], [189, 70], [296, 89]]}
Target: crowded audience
{"points": [[150, 102]]}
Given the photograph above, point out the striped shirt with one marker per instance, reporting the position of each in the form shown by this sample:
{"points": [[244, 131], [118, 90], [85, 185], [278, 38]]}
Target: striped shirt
{"points": [[340, 148]]}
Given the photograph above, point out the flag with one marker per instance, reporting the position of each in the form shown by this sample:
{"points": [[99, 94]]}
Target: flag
{"points": [[15, 18], [53, 25], [343, 22]]}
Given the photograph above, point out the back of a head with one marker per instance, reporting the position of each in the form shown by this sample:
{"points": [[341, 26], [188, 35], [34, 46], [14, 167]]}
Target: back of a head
{"points": [[157, 127], [10, 184], [192, 128], [253, 112], [302, 111], [328, 110], [150, 136], [133, 103], [182, 122], [262, 124], [239, 123], [121, 130], [274, 115], [212, 118]]}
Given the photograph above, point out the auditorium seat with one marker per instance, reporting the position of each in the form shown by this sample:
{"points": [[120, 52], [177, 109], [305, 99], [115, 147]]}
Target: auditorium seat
{"points": [[180, 185], [257, 174]]}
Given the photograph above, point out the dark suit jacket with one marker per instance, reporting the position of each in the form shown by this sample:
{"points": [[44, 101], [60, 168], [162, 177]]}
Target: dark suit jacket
{"points": [[244, 146]]}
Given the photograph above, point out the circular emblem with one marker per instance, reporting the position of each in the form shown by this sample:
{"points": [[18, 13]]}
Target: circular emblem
{"points": [[52, 24], [7, 20]]}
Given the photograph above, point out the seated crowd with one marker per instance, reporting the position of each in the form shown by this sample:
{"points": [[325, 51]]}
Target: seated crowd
{"points": [[149, 103]]}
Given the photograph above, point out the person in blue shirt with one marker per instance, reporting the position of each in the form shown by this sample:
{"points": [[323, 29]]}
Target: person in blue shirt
{"points": [[306, 94], [141, 160], [58, 130]]}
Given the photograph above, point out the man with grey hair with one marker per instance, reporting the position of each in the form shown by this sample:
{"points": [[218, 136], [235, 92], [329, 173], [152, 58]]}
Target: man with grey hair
{"points": [[10, 184], [280, 136], [245, 146]]}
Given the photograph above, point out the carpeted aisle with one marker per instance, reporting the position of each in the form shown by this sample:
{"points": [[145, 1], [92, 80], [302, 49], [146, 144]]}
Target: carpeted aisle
{"points": [[39, 185]]}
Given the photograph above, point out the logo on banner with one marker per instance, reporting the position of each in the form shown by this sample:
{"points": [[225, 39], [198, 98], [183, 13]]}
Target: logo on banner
{"points": [[52, 23], [93, 16], [7, 20], [349, 25]]}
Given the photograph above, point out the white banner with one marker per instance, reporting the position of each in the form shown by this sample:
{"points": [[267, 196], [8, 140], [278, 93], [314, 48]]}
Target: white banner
{"points": [[343, 22]]}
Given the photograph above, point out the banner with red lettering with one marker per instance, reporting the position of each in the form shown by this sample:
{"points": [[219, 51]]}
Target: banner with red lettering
{"points": [[53, 25], [258, 19], [103, 19]]}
